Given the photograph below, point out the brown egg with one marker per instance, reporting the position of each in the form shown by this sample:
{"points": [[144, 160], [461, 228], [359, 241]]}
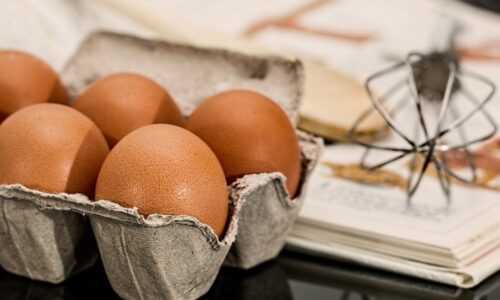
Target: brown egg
{"points": [[52, 148], [167, 170], [26, 80], [249, 133], [123, 102]]}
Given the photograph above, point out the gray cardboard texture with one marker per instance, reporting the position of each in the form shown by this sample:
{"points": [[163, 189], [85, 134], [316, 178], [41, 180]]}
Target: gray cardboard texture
{"points": [[45, 245], [268, 214], [158, 257], [172, 262], [161, 257], [164, 258]]}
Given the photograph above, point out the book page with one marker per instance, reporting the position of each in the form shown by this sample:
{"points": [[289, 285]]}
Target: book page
{"points": [[463, 277], [379, 209]]}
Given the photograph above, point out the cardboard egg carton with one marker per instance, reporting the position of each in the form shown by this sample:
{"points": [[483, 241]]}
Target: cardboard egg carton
{"points": [[268, 214], [50, 237], [158, 257]]}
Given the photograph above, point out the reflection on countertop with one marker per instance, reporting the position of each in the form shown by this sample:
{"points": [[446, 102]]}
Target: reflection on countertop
{"points": [[90, 284], [291, 276]]}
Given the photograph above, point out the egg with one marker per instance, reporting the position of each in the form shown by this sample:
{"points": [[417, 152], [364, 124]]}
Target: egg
{"points": [[249, 133], [122, 102], [52, 148], [165, 169], [27, 80]]}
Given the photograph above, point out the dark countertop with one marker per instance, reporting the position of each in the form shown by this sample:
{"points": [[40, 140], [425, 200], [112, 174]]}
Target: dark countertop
{"points": [[291, 276]]}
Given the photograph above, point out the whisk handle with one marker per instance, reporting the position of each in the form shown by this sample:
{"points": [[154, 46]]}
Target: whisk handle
{"points": [[444, 37]]}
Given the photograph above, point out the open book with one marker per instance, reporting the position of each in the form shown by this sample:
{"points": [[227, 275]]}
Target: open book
{"points": [[456, 244]]}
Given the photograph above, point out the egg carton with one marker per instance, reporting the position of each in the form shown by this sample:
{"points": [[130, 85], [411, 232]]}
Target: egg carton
{"points": [[50, 237], [268, 214], [158, 257]]}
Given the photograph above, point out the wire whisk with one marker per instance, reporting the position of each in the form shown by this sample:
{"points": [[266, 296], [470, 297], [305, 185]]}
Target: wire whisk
{"points": [[434, 92]]}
